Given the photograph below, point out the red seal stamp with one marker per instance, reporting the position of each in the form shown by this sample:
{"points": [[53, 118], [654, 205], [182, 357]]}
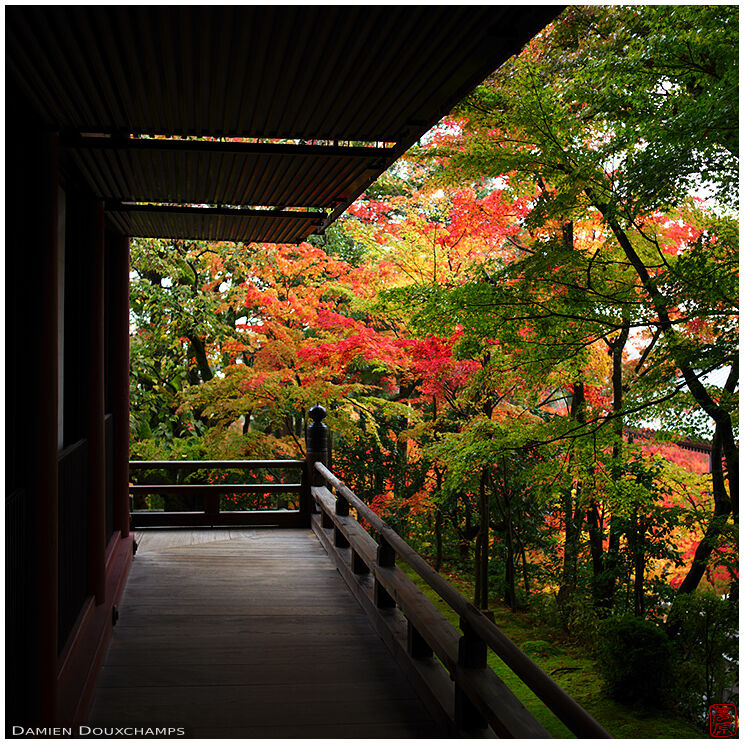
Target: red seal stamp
{"points": [[722, 720]]}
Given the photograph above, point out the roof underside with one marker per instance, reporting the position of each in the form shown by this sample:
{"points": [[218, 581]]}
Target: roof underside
{"points": [[340, 92]]}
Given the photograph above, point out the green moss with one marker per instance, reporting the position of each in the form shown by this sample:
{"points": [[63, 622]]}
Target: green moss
{"points": [[572, 668]]}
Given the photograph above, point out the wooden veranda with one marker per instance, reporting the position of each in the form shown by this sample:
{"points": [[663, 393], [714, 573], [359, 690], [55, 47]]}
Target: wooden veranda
{"points": [[248, 124], [305, 632]]}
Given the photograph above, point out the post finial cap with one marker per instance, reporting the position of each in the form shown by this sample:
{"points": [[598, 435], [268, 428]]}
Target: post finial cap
{"points": [[317, 413]]}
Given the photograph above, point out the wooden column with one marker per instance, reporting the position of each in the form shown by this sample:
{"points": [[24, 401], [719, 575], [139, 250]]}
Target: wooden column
{"points": [[316, 447], [43, 457], [93, 249], [118, 305]]}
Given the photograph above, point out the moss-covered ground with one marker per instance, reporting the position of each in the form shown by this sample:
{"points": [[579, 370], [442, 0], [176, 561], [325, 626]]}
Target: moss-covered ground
{"points": [[573, 668]]}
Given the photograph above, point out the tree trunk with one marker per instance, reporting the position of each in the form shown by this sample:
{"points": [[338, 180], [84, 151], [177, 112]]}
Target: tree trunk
{"points": [[639, 564], [525, 572], [573, 518], [510, 589], [718, 412], [572, 515], [199, 351], [438, 524], [721, 510], [605, 563], [481, 545], [438, 539]]}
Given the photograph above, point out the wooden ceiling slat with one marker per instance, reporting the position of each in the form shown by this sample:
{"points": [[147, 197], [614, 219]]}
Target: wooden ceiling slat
{"points": [[312, 71], [352, 37], [169, 175], [182, 68], [381, 74], [211, 224]]}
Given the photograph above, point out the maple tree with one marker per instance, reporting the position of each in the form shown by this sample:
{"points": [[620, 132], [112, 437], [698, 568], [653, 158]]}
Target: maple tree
{"points": [[587, 140]]}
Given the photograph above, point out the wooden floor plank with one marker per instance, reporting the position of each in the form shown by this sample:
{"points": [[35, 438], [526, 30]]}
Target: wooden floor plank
{"points": [[237, 633]]}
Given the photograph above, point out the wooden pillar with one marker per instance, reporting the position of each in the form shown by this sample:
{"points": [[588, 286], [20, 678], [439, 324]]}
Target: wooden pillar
{"points": [[43, 457], [118, 305], [95, 425], [316, 447]]}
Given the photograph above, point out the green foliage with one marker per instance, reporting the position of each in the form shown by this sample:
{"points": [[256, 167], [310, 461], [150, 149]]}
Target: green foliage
{"points": [[573, 668], [540, 648], [705, 632], [635, 659], [336, 241]]}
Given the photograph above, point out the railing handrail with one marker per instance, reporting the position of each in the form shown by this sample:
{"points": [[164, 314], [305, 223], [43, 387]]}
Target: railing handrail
{"points": [[557, 700], [207, 464], [217, 488]]}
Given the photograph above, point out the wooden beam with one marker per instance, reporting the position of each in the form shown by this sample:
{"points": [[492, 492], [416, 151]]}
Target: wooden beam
{"points": [[218, 488], [43, 472], [116, 206], [200, 519], [216, 464], [118, 142]]}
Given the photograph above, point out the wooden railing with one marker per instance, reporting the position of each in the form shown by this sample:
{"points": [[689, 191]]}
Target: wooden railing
{"points": [[211, 515], [468, 697]]}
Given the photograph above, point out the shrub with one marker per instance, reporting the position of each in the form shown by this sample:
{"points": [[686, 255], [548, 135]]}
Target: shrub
{"points": [[704, 630], [635, 660]]}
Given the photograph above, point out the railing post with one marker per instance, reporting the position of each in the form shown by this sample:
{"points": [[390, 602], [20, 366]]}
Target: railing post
{"points": [[316, 447], [339, 540], [212, 507], [472, 654], [418, 648], [385, 559], [342, 509], [358, 566]]}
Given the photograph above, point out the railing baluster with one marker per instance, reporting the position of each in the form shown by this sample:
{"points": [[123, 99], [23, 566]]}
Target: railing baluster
{"points": [[342, 509], [325, 520], [212, 504], [358, 566], [339, 540], [418, 648], [472, 654], [385, 559], [342, 506], [385, 553], [306, 499]]}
